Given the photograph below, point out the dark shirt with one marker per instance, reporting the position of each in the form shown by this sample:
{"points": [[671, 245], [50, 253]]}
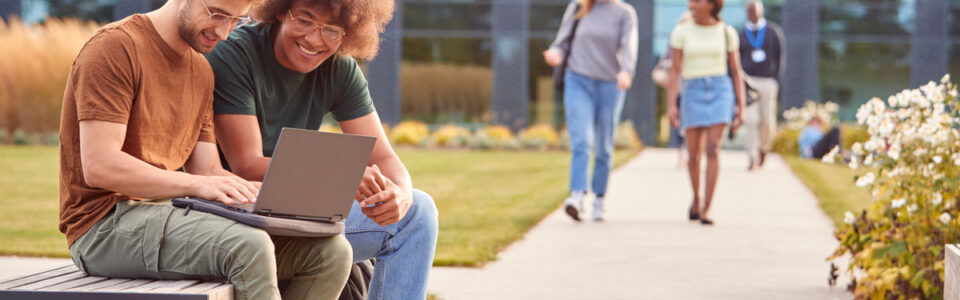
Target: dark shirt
{"points": [[773, 45], [250, 81]]}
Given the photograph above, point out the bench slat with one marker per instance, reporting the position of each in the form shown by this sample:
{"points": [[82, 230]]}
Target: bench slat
{"points": [[201, 288], [82, 281], [99, 285], [176, 286], [123, 286], [152, 286], [52, 281], [28, 279], [224, 292]]}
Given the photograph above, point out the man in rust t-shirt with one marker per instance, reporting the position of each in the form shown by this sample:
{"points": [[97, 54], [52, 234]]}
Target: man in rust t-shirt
{"points": [[138, 107]]}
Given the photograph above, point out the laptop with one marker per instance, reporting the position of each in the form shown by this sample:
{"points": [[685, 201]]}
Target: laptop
{"points": [[312, 176]]}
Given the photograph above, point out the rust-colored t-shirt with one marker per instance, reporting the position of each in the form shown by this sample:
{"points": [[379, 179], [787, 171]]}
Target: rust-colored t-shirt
{"points": [[126, 73]]}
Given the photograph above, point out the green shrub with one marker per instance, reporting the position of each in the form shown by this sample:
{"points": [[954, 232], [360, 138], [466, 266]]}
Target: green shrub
{"points": [[785, 142], [851, 134]]}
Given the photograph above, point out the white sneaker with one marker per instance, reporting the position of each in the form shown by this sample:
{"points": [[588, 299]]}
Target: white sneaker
{"points": [[598, 209], [574, 204]]}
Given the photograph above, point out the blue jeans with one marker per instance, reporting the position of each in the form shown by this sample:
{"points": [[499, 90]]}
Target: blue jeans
{"points": [[404, 250], [592, 109]]}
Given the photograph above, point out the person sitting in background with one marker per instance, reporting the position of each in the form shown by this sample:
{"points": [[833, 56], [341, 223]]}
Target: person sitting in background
{"points": [[813, 143]]}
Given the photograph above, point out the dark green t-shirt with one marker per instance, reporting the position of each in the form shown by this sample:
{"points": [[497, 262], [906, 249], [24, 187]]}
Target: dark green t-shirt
{"points": [[250, 81]]}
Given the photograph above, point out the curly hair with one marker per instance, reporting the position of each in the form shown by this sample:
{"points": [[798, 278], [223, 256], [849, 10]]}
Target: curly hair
{"points": [[361, 20]]}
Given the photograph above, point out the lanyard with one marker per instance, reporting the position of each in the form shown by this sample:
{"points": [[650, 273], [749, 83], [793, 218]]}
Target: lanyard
{"points": [[756, 42]]}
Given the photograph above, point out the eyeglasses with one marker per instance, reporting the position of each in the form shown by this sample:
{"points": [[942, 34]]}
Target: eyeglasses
{"points": [[302, 25], [220, 19]]}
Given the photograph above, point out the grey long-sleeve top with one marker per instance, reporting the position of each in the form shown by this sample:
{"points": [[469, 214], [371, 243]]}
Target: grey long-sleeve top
{"points": [[605, 42]]}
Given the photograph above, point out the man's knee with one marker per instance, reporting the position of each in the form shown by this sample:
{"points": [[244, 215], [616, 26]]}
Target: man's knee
{"points": [[425, 212], [246, 245], [336, 255]]}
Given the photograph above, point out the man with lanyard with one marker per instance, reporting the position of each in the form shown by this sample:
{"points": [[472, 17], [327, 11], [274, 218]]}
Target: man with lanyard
{"points": [[762, 56]]}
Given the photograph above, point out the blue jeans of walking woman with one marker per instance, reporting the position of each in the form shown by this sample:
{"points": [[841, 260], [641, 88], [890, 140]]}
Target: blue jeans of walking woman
{"points": [[592, 110]]}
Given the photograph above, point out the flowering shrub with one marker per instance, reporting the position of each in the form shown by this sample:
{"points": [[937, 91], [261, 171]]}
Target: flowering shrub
{"points": [[785, 141], [798, 117], [539, 136], [451, 136], [409, 133], [498, 133], [896, 246]]}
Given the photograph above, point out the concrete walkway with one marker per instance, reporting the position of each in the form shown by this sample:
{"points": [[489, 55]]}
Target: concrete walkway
{"points": [[770, 241]]}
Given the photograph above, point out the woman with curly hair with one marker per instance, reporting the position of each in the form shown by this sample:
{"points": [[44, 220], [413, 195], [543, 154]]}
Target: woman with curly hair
{"points": [[289, 70]]}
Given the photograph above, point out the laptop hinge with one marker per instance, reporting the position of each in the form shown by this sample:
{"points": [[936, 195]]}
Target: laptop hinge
{"points": [[336, 218]]}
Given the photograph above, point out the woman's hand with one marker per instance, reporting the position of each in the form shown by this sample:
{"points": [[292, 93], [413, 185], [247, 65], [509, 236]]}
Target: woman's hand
{"points": [[552, 57], [674, 116], [737, 117], [624, 80]]}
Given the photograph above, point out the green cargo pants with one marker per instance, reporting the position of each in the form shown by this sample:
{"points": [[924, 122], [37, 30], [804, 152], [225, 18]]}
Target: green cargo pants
{"points": [[153, 239]]}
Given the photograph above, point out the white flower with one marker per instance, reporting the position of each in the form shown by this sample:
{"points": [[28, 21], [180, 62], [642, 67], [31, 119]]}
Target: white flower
{"points": [[854, 163], [956, 159], [898, 202], [945, 79], [857, 148], [937, 159], [831, 156], [937, 199], [866, 179], [912, 208], [849, 218], [869, 160], [945, 218], [894, 151]]}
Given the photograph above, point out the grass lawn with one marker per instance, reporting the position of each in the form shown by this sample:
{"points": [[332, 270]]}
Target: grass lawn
{"points": [[834, 185], [487, 199]]}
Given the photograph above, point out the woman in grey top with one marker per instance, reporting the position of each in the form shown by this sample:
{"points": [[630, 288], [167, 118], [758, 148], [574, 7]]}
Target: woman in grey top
{"points": [[602, 57]]}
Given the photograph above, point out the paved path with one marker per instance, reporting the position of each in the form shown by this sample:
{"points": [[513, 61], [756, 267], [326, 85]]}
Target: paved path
{"points": [[770, 242]]}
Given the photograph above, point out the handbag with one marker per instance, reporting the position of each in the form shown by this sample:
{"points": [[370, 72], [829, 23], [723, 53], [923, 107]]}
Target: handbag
{"points": [[560, 70]]}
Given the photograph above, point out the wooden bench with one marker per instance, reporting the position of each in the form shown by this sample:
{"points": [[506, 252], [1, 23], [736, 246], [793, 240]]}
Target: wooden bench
{"points": [[70, 282], [951, 270]]}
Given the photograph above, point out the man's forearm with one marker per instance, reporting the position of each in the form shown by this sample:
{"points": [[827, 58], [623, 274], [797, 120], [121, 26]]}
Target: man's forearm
{"points": [[394, 169], [254, 169], [122, 173]]}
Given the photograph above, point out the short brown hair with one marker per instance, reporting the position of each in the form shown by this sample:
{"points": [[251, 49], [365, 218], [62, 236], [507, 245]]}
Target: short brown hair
{"points": [[361, 20]]}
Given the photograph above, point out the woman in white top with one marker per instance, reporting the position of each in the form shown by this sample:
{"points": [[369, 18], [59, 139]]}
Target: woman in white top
{"points": [[701, 51]]}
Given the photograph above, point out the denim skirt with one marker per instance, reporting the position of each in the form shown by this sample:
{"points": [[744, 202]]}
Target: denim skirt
{"points": [[707, 101]]}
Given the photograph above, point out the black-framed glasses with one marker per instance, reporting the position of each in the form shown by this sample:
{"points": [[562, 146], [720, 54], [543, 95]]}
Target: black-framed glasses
{"points": [[303, 25], [220, 19]]}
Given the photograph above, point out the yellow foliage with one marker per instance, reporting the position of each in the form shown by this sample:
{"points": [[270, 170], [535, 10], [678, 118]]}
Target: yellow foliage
{"points": [[626, 137], [330, 128], [498, 133], [33, 70], [543, 132], [450, 134], [409, 133]]}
